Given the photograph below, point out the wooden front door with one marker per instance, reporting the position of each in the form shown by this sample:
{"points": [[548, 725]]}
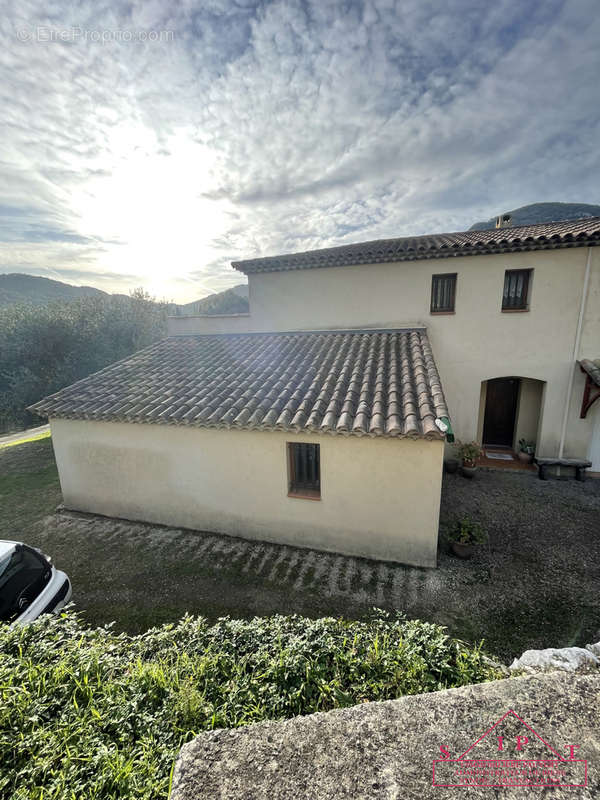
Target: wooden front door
{"points": [[500, 412]]}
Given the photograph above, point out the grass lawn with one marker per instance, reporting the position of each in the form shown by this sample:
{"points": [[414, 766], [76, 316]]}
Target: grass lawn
{"points": [[534, 584], [35, 438]]}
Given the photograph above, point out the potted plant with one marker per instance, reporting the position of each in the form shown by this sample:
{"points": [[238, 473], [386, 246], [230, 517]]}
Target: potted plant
{"points": [[468, 452], [465, 536], [451, 465], [526, 451]]}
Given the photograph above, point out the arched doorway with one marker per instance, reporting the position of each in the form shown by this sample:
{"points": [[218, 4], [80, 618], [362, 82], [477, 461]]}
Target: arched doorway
{"points": [[510, 410], [500, 416]]}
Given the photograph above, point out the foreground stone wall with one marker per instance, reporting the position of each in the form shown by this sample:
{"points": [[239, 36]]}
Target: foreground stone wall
{"points": [[571, 659], [386, 750]]}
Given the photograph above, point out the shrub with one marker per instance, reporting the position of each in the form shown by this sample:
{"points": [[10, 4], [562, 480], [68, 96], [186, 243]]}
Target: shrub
{"points": [[467, 531], [96, 714], [526, 446], [468, 452]]}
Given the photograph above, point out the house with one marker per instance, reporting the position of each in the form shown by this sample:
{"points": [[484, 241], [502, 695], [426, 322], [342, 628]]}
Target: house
{"points": [[319, 418]]}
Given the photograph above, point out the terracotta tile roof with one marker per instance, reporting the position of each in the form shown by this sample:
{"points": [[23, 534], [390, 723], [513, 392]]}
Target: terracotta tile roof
{"points": [[592, 368], [377, 383], [547, 236]]}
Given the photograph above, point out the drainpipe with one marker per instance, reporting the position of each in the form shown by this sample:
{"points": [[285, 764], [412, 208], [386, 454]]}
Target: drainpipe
{"points": [[586, 282]]}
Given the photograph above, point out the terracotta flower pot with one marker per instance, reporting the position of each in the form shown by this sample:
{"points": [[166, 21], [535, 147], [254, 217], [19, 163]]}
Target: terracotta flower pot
{"points": [[526, 458], [462, 550], [469, 469]]}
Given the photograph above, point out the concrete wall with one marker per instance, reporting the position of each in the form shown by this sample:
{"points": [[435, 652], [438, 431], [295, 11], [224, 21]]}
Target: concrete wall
{"points": [[476, 343], [384, 750], [208, 323], [379, 497]]}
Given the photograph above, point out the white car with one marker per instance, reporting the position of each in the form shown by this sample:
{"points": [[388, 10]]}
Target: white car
{"points": [[29, 583]]}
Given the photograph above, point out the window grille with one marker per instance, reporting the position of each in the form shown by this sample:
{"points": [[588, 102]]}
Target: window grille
{"points": [[516, 289], [304, 469], [443, 292]]}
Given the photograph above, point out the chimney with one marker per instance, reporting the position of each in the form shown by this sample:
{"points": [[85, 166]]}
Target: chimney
{"points": [[503, 221]]}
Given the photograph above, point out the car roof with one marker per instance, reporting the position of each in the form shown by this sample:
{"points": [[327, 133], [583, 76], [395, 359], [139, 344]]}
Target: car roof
{"points": [[6, 547]]}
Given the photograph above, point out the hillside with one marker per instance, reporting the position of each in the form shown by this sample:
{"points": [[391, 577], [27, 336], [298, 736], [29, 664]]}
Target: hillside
{"points": [[20, 288], [543, 212], [17, 288], [230, 301]]}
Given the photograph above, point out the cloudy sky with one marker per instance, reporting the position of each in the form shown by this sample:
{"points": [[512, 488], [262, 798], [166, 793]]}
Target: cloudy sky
{"points": [[150, 143]]}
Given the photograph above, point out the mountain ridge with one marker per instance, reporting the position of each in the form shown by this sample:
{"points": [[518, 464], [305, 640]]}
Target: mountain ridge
{"points": [[17, 287], [535, 213]]}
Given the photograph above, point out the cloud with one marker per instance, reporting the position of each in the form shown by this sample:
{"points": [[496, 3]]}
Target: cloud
{"points": [[249, 128]]}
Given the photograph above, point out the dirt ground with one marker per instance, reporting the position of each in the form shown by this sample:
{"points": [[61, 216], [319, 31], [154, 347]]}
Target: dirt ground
{"points": [[535, 584]]}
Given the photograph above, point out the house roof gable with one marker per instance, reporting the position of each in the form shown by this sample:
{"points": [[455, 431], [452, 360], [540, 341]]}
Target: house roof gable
{"points": [[374, 383], [546, 236]]}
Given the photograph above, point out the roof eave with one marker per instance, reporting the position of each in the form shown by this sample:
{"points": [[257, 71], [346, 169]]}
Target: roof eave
{"points": [[135, 420], [303, 261]]}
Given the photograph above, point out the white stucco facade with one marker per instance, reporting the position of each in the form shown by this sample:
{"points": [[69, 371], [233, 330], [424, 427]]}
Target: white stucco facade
{"points": [[380, 497], [476, 343]]}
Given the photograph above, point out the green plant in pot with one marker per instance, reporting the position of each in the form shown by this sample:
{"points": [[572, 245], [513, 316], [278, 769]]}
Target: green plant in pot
{"points": [[465, 536], [468, 452], [526, 451]]}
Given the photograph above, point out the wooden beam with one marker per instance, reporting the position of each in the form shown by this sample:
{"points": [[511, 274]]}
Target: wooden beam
{"points": [[591, 393]]}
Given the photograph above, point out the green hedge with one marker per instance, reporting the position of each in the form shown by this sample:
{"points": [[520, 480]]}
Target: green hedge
{"points": [[96, 714]]}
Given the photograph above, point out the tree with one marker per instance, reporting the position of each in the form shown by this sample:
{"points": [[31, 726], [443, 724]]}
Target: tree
{"points": [[44, 348]]}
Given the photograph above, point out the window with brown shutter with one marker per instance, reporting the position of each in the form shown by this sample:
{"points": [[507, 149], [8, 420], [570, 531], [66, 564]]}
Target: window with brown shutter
{"points": [[304, 470], [516, 290], [443, 293]]}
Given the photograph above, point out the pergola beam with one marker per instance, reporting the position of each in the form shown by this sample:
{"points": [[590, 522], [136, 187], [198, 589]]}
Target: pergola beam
{"points": [[591, 393]]}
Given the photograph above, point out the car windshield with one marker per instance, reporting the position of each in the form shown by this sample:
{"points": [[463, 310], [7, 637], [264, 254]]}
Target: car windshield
{"points": [[4, 562], [23, 575]]}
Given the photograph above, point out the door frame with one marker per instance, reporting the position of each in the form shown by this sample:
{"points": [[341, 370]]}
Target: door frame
{"points": [[484, 407]]}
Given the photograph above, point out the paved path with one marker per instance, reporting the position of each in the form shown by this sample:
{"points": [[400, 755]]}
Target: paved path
{"points": [[21, 436], [359, 582]]}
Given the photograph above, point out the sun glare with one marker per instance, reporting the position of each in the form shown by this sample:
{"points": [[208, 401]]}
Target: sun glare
{"points": [[148, 208]]}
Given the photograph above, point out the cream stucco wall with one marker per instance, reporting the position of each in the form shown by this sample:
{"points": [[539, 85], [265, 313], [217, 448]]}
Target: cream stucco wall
{"points": [[529, 408], [379, 497], [590, 338], [476, 343], [594, 448]]}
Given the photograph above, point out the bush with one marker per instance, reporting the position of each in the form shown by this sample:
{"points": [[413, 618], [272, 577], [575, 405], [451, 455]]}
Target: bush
{"points": [[96, 714], [468, 452], [467, 531]]}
